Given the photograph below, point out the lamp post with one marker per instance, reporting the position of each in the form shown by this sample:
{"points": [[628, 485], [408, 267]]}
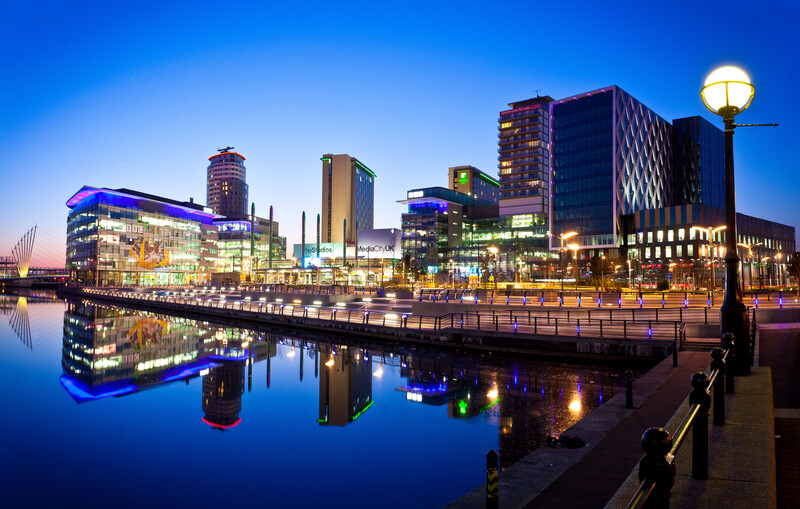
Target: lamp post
{"points": [[710, 231], [575, 248], [629, 273], [778, 275], [727, 92], [562, 237], [452, 273], [749, 256], [760, 276], [493, 250]]}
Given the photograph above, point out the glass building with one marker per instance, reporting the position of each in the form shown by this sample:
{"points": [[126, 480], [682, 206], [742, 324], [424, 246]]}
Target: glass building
{"points": [[124, 237], [699, 163], [238, 252], [611, 156]]}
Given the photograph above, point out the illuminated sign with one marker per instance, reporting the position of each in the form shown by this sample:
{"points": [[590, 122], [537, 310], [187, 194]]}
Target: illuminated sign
{"points": [[415, 194], [463, 178], [520, 110], [148, 254]]}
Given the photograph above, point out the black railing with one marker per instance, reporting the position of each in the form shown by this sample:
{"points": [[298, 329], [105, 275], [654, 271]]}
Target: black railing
{"points": [[657, 467]]}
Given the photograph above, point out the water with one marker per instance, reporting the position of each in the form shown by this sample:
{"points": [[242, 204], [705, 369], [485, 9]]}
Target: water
{"points": [[106, 407]]}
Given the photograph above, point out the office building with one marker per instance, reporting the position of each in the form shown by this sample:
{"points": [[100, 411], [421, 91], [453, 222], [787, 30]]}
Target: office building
{"points": [[524, 157], [226, 185], [658, 241], [125, 237], [611, 156], [473, 182], [239, 251], [698, 163], [347, 194], [434, 223]]}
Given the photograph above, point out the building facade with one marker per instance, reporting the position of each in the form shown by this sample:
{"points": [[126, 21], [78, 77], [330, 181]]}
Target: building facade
{"points": [[698, 163], [124, 237], [524, 157], [347, 194], [226, 184], [675, 240], [239, 251], [435, 221], [472, 181], [611, 156]]}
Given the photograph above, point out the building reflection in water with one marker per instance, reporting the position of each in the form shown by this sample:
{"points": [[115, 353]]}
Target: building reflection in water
{"points": [[345, 384], [112, 352], [525, 407]]}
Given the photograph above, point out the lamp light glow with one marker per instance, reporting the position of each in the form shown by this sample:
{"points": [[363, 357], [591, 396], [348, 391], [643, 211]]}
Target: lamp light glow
{"points": [[727, 87]]}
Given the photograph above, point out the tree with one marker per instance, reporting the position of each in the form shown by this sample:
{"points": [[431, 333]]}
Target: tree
{"points": [[793, 265]]}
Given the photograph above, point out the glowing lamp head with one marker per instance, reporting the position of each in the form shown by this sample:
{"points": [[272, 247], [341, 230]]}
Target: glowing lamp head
{"points": [[727, 91]]}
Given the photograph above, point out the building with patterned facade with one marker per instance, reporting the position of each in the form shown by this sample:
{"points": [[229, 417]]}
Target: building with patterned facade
{"points": [[226, 184], [524, 157], [347, 194], [611, 156], [472, 181], [698, 163]]}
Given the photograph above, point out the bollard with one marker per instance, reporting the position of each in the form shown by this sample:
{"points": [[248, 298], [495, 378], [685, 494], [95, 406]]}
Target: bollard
{"points": [[492, 490], [657, 466], [541, 300], [578, 329], [780, 299], [508, 298], [515, 324], [628, 388], [675, 348], [719, 391], [560, 298], [699, 396], [579, 299], [662, 300]]}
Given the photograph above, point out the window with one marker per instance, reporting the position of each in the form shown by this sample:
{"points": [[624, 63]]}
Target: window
{"points": [[660, 235], [670, 235], [681, 232], [649, 237], [678, 251], [690, 250]]}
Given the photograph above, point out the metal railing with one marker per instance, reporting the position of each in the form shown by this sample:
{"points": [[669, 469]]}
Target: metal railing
{"points": [[566, 322], [657, 467]]}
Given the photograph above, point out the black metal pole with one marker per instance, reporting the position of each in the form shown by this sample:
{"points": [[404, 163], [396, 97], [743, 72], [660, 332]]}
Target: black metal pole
{"points": [[733, 312]]}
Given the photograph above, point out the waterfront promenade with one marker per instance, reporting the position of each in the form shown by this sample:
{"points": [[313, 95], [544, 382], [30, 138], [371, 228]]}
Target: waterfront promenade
{"points": [[514, 331]]}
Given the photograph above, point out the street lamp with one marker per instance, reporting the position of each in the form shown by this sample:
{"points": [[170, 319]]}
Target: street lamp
{"points": [[629, 273], [727, 92], [778, 276], [452, 273], [562, 237], [750, 256], [575, 248], [760, 277], [711, 231], [493, 250]]}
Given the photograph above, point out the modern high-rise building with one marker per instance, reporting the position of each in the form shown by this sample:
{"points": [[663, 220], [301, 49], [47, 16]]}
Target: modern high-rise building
{"points": [[472, 181], [347, 193], [611, 156], [699, 163], [226, 185], [524, 157]]}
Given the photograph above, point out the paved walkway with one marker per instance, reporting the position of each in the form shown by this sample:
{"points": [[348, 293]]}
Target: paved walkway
{"points": [[595, 479], [779, 348]]}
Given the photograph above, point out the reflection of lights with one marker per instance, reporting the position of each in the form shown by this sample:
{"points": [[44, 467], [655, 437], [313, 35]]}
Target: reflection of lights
{"points": [[278, 300], [492, 394], [245, 344], [575, 404], [317, 302], [462, 407], [391, 316], [297, 301], [220, 335], [379, 372], [291, 353], [340, 304], [330, 362]]}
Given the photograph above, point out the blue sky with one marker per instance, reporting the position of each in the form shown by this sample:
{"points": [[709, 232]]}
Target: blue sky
{"points": [[139, 95]]}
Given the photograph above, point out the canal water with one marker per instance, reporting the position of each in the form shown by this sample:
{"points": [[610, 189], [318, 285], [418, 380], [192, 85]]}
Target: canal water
{"points": [[110, 407]]}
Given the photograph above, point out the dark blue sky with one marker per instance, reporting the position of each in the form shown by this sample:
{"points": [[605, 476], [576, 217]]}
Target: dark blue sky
{"points": [[140, 95]]}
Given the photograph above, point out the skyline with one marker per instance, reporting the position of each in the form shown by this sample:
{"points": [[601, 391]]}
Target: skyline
{"points": [[152, 95]]}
